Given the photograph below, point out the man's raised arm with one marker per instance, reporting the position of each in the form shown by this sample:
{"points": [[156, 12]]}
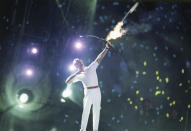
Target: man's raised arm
{"points": [[103, 53], [69, 80]]}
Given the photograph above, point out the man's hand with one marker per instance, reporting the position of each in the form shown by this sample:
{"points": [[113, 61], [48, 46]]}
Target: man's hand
{"points": [[104, 52]]}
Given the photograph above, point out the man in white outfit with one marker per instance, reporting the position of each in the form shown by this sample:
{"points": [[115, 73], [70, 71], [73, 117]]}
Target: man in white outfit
{"points": [[92, 95]]}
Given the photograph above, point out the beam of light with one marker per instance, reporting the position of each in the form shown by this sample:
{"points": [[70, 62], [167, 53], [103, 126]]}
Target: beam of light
{"points": [[78, 45], [23, 98], [118, 31], [75, 96], [58, 2], [29, 72], [67, 93], [92, 9], [21, 106], [34, 51]]}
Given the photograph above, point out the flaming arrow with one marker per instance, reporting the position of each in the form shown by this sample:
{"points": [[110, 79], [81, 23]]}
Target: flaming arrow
{"points": [[118, 31]]}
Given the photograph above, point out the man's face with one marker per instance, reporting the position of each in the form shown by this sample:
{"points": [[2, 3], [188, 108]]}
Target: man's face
{"points": [[78, 64]]}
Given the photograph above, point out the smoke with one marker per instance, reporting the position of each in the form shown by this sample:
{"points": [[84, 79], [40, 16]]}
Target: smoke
{"points": [[133, 29], [137, 28]]}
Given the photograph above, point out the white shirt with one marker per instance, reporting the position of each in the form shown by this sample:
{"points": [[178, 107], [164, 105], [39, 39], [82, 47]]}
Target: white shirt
{"points": [[89, 76]]}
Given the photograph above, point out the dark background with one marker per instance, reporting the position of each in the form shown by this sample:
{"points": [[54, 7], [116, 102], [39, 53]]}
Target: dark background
{"points": [[158, 40]]}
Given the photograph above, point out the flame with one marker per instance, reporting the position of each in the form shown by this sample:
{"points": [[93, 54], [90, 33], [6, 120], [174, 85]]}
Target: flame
{"points": [[134, 7], [117, 32]]}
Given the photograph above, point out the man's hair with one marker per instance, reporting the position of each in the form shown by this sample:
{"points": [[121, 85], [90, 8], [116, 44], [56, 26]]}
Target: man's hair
{"points": [[77, 60]]}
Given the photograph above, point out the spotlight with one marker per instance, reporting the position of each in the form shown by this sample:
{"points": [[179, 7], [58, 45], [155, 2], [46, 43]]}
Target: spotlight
{"points": [[67, 93], [78, 45], [34, 50], [23, 98], [72, 68], [29, 72]]}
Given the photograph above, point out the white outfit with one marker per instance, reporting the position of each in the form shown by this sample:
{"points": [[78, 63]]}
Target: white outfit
{"points": [[91, 96]]}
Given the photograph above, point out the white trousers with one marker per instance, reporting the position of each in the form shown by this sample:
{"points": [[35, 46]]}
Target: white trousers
{"points": [[92, 97]]}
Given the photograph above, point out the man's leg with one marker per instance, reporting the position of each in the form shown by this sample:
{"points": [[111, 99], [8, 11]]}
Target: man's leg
{"points": [[96, 109], [87, 102]]}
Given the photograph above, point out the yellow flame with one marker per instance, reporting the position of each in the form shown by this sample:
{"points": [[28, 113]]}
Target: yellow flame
{"points": [[117, 32]]}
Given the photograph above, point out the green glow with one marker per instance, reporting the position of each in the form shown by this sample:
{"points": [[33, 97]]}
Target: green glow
{"points": [[92, 9], [62, 12], [67, 93], [17, 104], [77, 93]]}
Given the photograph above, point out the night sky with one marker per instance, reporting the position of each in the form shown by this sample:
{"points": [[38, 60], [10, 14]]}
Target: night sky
{"points": [[145, 80]]}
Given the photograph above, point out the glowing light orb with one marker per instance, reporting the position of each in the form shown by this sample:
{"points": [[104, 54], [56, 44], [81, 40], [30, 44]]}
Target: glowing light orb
{"points": [[167, 79], [157, 93], [34, 50], [141, 98], [180, 84], [158, 78], [157, 87], [136, 107], [167, 115], [145, 63], [137, 92], [181, 118], [29, 72], [186, 91], [62, 100], [23, 98], [144, 73], [66, 93], [128, 99], [168, 98], [78, 45], [21, 106], [72, 68]]}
